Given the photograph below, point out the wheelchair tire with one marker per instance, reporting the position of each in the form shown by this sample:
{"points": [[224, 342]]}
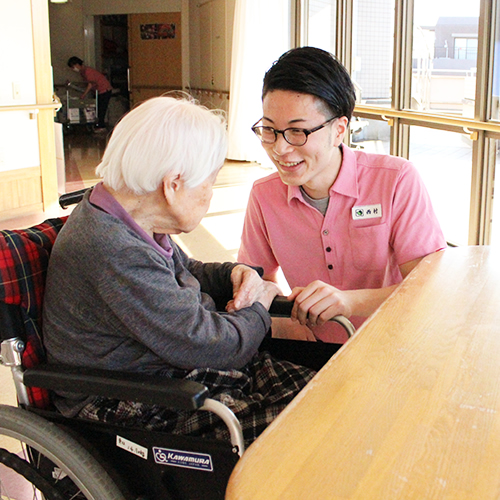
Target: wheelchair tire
{"points": [[88, 479]]}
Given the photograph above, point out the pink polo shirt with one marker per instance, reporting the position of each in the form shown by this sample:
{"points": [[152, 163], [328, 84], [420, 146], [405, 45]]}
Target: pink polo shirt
{"points": [[379, 217]]}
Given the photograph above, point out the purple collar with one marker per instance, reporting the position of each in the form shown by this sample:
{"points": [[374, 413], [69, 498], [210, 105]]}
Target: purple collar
{"points": [[100, 197]]}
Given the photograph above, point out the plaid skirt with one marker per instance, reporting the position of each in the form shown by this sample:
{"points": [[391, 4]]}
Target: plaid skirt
{"points": [[256, 394]]}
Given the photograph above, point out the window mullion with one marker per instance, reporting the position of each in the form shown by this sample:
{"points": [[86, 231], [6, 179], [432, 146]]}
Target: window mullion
{"points": [[482, 179], [299, 17], [478, 185], [344, 33], [401, 75], [490, 157], [484, 63]]}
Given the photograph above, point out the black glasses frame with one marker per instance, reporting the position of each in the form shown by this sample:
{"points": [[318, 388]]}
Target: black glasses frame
{"points": [[305, 131]]}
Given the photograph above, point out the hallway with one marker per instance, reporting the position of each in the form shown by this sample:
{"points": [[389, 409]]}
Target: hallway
{"points": [[83, 151]]}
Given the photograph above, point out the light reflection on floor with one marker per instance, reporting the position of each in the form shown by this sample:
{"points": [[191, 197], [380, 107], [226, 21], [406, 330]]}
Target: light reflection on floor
{"points": [[217, 238]]}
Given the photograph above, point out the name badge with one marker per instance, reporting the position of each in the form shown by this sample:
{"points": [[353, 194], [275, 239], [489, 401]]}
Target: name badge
{"points": [[367, 212]]}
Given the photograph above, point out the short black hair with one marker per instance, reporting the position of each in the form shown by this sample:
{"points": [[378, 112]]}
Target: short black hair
{"points": [[313, 71], [74, 60]]}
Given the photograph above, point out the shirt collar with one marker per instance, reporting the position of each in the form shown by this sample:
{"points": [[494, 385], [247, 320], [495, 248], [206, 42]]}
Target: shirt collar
{"points": [[346, 182], [102, 198]]}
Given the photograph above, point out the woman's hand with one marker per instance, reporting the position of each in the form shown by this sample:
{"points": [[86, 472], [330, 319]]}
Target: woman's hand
{"points": [[318, 302], [249, 287]]}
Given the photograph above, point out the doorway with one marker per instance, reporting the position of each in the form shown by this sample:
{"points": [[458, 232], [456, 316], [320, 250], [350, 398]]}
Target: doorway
{"points": [[112, 50]]}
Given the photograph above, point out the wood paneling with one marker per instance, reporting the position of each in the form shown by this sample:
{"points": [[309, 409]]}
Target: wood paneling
{"points": [[155, 63], [216, 18], [20, 192]]}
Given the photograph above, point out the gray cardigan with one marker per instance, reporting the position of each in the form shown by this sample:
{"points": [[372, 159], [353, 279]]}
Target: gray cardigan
{"points": [[114, 301]]}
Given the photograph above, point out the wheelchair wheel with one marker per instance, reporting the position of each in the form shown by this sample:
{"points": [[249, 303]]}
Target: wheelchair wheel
{"points": [[47, 462]]}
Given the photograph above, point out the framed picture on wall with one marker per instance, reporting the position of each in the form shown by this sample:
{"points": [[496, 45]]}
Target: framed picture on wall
{"points": [[157, 31]]}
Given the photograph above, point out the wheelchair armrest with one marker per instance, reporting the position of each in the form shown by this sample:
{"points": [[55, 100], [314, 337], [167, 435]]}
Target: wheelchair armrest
{"points": [[177, 394], [281, 307]]}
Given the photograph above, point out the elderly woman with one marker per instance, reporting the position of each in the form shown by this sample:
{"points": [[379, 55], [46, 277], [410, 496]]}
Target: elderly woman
{"points": [[122, 295]]}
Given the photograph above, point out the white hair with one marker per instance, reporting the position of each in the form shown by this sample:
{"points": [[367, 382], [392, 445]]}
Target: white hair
{"points": [[164, 135]]}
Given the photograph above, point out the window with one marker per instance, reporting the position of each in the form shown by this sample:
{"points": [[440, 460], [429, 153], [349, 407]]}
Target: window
{"points": [[466, 48], [444, 160], [372, 49], [443, 64], [427, 74], [321, 18]]}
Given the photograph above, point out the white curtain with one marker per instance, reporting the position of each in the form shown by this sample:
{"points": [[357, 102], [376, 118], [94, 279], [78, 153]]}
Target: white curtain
{"points": [[261, 34]]}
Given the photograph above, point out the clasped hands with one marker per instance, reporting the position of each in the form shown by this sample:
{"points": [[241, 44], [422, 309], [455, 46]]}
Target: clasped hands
{"points": [[249, 287], [313, 306]]}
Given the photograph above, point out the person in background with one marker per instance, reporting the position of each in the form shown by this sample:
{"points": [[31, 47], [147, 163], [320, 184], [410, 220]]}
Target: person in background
{"points": [[121, 295], [344, 226], [95, 81]]}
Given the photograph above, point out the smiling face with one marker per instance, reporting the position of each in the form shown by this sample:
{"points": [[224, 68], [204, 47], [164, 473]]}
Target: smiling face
{"points": [[314, 165]]}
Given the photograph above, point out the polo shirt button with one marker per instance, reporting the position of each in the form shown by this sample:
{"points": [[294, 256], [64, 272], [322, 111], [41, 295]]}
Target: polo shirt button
{"points": [[325, 232], [328, 249], [330, 266]]}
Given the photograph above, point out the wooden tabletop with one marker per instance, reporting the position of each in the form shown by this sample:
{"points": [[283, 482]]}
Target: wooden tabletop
{"points": [[408, 408]]}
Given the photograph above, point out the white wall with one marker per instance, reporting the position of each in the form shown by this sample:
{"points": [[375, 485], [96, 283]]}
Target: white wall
{"points": [[98, 7], [66, 37], [18, 134]]}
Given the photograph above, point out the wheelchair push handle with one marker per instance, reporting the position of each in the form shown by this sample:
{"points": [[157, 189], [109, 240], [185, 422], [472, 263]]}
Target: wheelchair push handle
{"points": [[281, 307], [65, 200]]}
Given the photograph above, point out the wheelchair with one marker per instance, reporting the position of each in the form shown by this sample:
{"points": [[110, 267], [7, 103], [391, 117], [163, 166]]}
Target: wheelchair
{"points": [[59, 458]]}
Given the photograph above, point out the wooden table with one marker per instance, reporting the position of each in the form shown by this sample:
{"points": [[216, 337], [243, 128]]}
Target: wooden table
{"points": [[409, 408]]}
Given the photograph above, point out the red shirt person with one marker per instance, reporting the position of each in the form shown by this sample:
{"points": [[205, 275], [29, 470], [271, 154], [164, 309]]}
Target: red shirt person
{"points": [[96, 81]]}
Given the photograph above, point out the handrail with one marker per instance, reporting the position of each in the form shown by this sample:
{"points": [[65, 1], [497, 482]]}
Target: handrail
{"points": [[212, 91], [155, 87], [416, 116], [31, 107]]}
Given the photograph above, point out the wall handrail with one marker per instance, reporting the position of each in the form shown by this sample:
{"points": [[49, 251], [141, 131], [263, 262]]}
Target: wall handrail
{"points": [[416, 117], [155, 87], [208, 91], [31, 107]]}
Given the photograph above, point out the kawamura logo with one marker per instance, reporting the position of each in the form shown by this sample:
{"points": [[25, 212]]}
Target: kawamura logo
{"points": [[187, 459]]}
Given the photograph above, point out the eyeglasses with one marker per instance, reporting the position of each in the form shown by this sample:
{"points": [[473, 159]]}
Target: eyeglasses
{"points": [[292, 135]]}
